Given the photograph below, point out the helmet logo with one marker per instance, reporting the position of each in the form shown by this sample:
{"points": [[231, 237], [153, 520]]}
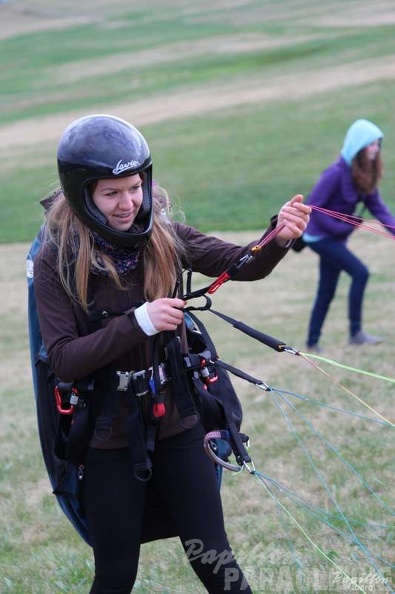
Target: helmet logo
{"points": [[121, 166]]}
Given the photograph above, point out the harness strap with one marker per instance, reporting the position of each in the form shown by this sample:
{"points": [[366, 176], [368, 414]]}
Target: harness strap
{"points": [[181, 387], [81, 428], [141, 462], [237, 444], [119, 386], [156, 382], [107, 387], [128, 387], [80, 435]]}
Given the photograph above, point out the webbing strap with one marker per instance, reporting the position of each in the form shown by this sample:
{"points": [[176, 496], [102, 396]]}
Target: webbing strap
{"points": [[181, 388], [85, 424], [141, 438], [237, 444], [140, 459], [79, 435]]}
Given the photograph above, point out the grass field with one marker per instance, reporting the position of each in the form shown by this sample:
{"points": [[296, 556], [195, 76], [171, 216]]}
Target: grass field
{"points": [[243, 104]]}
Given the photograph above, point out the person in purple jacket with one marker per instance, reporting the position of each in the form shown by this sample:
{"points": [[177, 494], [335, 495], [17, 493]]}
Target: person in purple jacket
{"points": [[347, 186]]}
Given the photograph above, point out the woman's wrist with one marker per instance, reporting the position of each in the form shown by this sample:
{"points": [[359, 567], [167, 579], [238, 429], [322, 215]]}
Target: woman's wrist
{"points": [[284, 243], [144, 321]]}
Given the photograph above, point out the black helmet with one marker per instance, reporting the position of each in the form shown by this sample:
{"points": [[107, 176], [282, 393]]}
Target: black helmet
{"points": [[104, 147]]}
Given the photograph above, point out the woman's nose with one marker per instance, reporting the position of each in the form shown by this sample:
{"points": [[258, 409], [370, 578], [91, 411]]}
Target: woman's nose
{"points": [[125, 200]]}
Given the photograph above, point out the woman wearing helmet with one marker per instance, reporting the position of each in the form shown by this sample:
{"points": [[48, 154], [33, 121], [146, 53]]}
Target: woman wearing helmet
{"points": [[106, 283]]}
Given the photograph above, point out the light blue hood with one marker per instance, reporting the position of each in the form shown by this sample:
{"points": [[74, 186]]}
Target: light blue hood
{"points": [[359, 135]]}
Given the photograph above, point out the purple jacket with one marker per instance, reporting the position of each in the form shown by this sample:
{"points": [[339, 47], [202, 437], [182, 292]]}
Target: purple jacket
{"points": [[336, 191]]}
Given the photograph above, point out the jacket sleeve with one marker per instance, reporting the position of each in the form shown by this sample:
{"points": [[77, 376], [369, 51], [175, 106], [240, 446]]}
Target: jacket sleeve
{"points": [[326, 190], [211, 256], [71, 355], [380, 210]]}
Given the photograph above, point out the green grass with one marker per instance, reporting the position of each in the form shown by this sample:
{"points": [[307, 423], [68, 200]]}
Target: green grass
{"points": [[229, 169], [262, 166], [41, 554], [47, 79], [260, 153], [221, 161]]}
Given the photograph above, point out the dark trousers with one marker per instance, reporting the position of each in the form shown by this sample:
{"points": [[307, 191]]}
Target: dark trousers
{"points": [[334, 258], [184, 481]]}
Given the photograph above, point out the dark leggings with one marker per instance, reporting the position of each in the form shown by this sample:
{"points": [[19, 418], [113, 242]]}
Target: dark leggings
{"points": [[185, 482], [334, 258]]}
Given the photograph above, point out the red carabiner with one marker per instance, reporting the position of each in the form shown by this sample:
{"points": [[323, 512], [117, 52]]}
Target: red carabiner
{"points": [[59, 404]]}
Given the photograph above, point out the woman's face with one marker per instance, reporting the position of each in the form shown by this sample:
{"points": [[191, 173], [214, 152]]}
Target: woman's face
{"points": [[372, 150], [119, 200]]}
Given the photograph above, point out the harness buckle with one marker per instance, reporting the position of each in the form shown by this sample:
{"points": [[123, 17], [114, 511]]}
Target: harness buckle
{"points": [[140, 383], [123, 380], [141, 380], [163, 375]]}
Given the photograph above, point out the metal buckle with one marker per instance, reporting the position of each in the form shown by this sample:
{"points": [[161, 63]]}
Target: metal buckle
{"points": [[140, 383], [123, 380], [140, 379], [163, 376]]}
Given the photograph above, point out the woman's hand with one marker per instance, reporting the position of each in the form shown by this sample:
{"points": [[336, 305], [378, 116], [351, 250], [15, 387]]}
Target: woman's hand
{"points": [[294, 215], [166, 313]]}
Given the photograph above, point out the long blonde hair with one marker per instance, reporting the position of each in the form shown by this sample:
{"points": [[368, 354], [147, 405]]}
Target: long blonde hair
{"points": [[77, 255]]}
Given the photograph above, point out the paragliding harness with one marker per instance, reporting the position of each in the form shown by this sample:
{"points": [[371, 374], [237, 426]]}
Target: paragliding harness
{"points": [[67, 412]]}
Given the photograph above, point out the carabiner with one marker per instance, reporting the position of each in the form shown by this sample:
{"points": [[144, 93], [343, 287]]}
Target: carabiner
{"points": [[208, 447], [59, 402]]}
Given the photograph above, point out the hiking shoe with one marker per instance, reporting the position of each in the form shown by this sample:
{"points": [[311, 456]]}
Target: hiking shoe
{"points": [[315, 348], [364, 338]]}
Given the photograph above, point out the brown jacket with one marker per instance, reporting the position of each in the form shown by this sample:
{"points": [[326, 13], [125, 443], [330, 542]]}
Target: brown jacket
{"points": [[75, 353]]}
